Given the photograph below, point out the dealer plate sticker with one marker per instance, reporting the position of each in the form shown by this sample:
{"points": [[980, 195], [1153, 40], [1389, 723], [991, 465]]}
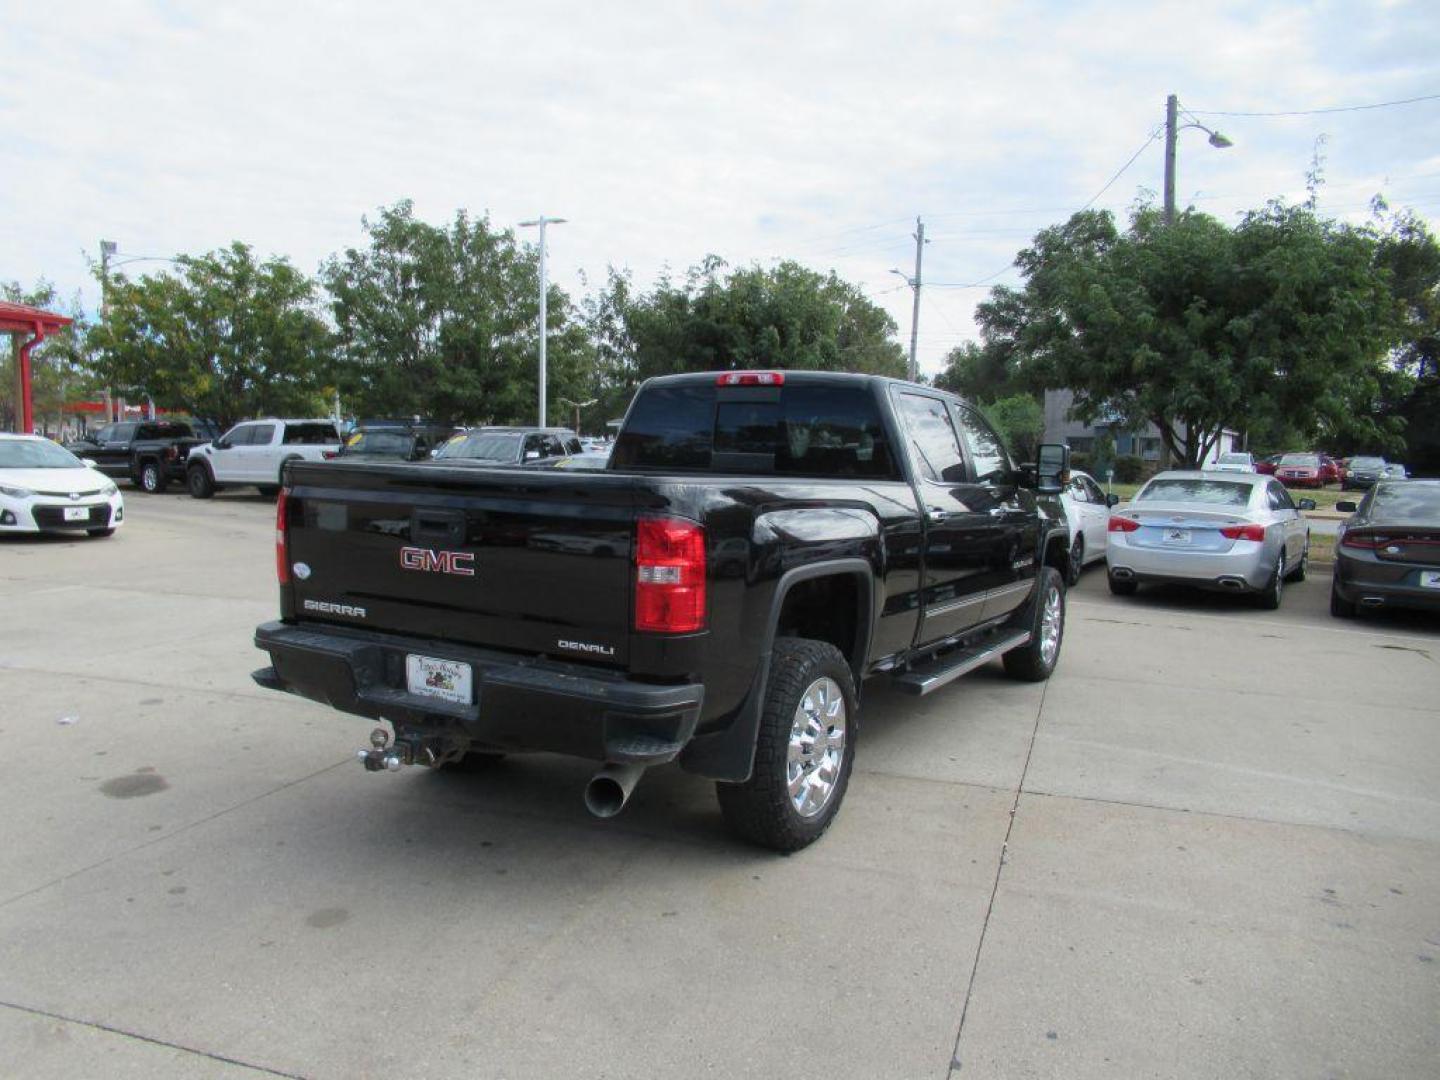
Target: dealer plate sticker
{"points": [[1177, 536], [77, 513], [1430, 579], [432, 677]]}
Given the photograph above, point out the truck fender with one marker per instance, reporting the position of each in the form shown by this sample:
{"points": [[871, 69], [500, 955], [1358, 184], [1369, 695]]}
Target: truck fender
{"points": [[729, 754]]}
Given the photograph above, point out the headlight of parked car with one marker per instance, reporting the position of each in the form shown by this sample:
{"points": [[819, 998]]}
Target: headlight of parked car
{"points": [[109, 489], [16, 492]]}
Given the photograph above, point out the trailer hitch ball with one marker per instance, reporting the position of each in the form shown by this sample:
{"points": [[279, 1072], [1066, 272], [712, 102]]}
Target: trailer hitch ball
{"points": [[379, 737]]}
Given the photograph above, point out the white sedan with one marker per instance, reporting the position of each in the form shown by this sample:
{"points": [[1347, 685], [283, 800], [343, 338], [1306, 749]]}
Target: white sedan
{"points": [[45, 488], [1087, 509]]}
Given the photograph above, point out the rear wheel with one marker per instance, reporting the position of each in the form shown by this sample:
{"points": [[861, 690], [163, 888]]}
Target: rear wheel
{"points": [[1339, 606], [1268, 598], [804, 750], [199, 482], [1122, 588], [1077, 561], [1045, 619], [153, 478]]}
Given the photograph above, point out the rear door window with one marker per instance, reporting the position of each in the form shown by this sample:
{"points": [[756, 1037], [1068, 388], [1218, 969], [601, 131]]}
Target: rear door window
{"points": [[310, 434]]}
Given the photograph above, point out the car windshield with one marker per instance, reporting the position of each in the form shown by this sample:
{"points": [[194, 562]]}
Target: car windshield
{"points": [[1234, 459], [1413, 502], [1367, 463], [484, 446], [379, 442], [1195, 490], [1300, 459], [36, 454]]}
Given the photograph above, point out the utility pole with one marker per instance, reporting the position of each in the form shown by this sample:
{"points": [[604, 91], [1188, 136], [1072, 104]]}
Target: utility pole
{"points": [[914, 283], [542, 221], [577, 406], [1172, 119]]}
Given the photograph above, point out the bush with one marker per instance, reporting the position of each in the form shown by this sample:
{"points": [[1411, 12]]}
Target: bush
{"points": [[1080, 460], [1129, 469]]}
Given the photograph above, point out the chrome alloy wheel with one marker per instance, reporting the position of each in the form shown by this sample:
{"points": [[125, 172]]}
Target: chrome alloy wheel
{"points": [[817, 747], [1052, 621]]}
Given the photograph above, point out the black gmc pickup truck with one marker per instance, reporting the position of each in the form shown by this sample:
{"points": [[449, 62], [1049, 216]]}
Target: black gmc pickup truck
{"points": [[760, 544], [148, 453]]}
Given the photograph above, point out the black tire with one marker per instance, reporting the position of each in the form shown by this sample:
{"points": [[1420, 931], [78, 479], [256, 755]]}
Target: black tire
{"points": [[1076, 563], [98, 533], [1339, 606], [152, 477], [761, 810], [1122, 588], [1302, 568], [199, 482], [1268, 598], [1035, 661]]}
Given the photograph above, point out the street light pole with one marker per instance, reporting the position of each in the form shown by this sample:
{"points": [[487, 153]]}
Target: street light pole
{"points": [[1173, 127], [914, 283], [577, 406], [542, 221]]}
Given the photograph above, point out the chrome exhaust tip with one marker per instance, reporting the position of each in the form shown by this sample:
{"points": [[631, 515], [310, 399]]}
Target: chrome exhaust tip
{"points": [[609, 789], [1122, 573]]}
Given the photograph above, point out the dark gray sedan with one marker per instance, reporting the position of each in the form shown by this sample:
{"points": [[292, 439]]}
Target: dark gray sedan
{"points": [[1388, 553]]}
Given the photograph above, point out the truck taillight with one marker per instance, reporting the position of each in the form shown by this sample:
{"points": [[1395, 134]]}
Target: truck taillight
{"points": [[751, 378], [282, 554], [669, 576], [1244, 532], [1122, 524]]}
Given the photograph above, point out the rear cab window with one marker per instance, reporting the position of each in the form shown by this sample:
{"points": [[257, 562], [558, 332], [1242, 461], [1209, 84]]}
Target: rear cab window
{"points": [[799, 429]]}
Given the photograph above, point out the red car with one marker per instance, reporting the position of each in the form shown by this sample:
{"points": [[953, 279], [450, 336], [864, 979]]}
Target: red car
{"points": [[1307, 470], [1266, 466]]}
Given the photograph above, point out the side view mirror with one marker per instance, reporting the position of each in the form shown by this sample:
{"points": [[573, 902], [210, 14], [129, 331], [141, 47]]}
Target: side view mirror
{"points": [[1344, 506], [220, 444], [1052, 468], [1112, 499], [89, 462], [1306, 504]]}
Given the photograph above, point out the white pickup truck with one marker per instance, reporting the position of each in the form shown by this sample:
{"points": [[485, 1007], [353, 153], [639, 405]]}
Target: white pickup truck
{"points": [[256, 451]]}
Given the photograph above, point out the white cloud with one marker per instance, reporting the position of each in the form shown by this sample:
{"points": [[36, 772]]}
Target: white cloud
{"points": [[666, 131]]}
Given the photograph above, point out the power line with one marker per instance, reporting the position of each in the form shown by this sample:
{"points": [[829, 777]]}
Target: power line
{"points": [[1319, 112], [1133, 158]]}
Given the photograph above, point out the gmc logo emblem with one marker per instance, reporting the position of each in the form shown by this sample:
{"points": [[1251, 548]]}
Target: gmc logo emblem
{"points": [[461, 563]]}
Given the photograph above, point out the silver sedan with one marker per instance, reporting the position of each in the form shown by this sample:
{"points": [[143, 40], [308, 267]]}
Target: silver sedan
{"points": [[1232, 532]]}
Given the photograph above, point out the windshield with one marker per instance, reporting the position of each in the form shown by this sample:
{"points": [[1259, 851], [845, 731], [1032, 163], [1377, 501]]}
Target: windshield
{"points": [[1367, 463], [1234, 459], [392, 443], [36, 454], [1300, 459], [1204, 492], [484, 446]]}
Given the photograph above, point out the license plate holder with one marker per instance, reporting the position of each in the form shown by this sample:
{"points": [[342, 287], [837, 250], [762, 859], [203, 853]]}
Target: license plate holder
{"points": [[1430, 579], [1177, 536], [77, 513], [431, 676]]}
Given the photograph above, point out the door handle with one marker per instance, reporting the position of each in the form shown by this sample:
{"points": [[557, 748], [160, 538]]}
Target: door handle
{"points": [[996, 511], [936, 515]]}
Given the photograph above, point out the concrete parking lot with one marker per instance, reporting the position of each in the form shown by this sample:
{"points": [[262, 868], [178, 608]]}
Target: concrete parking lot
{"points": [[1208, 847]]}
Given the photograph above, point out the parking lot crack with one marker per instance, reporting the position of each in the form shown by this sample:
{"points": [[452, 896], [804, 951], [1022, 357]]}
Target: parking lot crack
{"points": [[955, 1064], [111, 1029]]}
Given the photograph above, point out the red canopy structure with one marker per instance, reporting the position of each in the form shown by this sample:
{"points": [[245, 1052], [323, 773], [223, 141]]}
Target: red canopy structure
{"points": [[23, 319]]}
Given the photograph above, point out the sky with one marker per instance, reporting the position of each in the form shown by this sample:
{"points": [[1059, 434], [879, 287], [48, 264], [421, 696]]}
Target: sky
{"points": [[663, 132]]}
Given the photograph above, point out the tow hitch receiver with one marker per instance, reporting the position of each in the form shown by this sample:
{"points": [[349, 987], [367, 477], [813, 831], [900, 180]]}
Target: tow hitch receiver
{"points": [[408, 750]]}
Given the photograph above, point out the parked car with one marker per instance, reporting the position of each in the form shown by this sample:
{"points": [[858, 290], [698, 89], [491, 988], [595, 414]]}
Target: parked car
{"points": [[1267, 466], [1305, 470], [1233, 462], [1087, 509], [395, 441], [510, 445], [257, 452], [586, 460], [759, 544], [1362, 472], [46, 488], [148, 453], [1228, 532], [1387, 553], [1395, 471]]}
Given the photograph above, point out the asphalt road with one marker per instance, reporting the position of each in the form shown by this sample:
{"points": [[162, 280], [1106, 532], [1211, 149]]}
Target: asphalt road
{"points": [[1208, 847]]}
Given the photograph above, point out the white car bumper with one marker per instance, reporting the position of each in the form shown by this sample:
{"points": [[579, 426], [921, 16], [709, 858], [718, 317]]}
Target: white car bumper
{"points": [[58, 513]]}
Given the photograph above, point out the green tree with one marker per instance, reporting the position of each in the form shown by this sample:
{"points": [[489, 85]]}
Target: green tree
{"points": [[1020, 420], [1410, 253], [786, 317], [221, 336], [1197, 327], [443, 322]]}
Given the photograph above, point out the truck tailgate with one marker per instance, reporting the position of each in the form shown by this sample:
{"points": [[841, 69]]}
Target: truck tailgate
{"points": [[538, 562]]}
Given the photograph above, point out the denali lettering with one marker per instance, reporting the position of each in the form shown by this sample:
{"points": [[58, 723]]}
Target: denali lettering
{"points": [[585, 646], [460, 563], [328, 608]]}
